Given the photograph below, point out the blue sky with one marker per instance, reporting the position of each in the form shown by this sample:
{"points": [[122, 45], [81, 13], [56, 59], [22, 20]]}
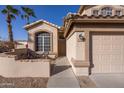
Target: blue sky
{"points": [[51, 13]]}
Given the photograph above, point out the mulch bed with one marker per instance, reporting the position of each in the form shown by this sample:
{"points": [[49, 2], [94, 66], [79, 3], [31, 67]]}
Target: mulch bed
{"points": [[26, 82], [86, 82]]}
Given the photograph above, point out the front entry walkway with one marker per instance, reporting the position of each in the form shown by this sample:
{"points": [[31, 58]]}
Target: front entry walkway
{"points": [[63, 76]]}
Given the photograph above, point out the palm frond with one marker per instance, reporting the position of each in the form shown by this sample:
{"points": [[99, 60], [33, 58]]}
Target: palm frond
{"points": [[22, 16], [15, 11], [12, 10], [9, 7], [25, 9], [4, 11], [28, 11], [12, 16]]}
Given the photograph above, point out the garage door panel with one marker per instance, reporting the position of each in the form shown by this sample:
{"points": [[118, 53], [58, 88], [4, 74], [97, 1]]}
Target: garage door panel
{"points": [[116, 69], [108, 52]]}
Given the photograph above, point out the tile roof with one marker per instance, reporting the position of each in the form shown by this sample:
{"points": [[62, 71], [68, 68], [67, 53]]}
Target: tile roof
{"points": [[39, 21]]}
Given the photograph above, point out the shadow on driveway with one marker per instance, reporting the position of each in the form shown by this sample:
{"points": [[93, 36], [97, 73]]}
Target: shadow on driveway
{"points": [[58, 69]]}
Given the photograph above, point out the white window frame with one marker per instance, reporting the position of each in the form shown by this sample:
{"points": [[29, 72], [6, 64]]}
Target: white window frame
{"points": [[105, 11], [42, 44], [93, 12], [119, 14]]}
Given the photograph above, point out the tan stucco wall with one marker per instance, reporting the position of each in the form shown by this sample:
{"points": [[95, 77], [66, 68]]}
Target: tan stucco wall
{"points": [[71, 47], [10, 68], [88, 11], [21, 45], [44, 27], [81, 71], [80, 47], [75, 48], [83, 51]]}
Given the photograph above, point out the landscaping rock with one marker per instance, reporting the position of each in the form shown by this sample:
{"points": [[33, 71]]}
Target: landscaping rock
{"points": [[26, 82]]}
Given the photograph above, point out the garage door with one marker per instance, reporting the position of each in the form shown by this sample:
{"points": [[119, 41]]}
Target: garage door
{"points": [[107, 52]]}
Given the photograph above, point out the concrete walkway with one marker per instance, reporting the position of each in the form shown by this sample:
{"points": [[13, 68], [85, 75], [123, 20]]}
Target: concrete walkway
{"points": [[63, 76]]}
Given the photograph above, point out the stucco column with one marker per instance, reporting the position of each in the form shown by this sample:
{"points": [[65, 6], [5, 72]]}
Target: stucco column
{"points": [[81, 68], [34, 44], [31, 40], [87, 46]]}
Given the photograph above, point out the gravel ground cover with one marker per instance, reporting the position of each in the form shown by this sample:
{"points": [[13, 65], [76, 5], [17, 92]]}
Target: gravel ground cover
{"points": [[26, 82]]}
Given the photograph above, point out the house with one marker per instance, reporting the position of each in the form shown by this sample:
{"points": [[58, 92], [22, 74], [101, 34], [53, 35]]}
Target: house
{"points": [[20, 44], [45, 37], [95, 39]]}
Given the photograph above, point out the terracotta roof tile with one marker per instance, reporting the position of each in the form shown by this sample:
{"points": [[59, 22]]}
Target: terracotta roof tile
{"points": [[41, 20]]}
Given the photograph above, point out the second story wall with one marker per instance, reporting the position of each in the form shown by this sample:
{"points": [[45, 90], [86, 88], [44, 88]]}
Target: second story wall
{"points": [[103, 10]]}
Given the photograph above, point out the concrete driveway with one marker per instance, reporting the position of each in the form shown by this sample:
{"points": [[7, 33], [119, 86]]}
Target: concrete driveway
{"points": [[108, 80]]}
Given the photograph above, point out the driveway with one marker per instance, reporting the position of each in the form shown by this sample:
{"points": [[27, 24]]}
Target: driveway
{"points": [[108, 80]]}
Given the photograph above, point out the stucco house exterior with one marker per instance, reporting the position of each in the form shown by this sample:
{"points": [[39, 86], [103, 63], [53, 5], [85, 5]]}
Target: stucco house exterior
{"points": [[95, 39], [43, 36], [20, 44]]}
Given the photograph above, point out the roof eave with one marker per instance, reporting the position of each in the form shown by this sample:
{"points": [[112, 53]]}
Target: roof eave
{"points": [[70, 22], [80, 9], [40, 21]]}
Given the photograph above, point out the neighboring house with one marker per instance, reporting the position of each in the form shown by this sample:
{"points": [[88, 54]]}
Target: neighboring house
{"points": [[20, 44], [43, 37], [95, 39]]}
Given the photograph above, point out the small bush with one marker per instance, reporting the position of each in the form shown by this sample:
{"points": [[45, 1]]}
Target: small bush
{"points": [[10, 45], [4, 49], [26, 54], [6, 46]]}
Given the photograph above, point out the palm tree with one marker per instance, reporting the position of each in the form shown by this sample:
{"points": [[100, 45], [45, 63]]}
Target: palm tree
{"points": [[11, 14], [28, 12]]}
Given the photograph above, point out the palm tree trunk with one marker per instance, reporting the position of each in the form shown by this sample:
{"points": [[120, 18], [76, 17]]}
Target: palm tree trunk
{"points": [[11, 45], [8, 19], [10, 32]]}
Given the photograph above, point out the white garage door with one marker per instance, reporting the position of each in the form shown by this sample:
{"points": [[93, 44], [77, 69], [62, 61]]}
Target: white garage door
{"points": [[107, 52]]}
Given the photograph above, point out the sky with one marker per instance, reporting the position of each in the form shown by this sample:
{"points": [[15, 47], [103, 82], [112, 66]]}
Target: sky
{"points": [[51, 13]]}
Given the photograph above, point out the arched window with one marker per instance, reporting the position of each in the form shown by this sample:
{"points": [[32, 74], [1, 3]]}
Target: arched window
{"points": [[106, 11], [43, 41], [95, 12], [118, 12]]}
